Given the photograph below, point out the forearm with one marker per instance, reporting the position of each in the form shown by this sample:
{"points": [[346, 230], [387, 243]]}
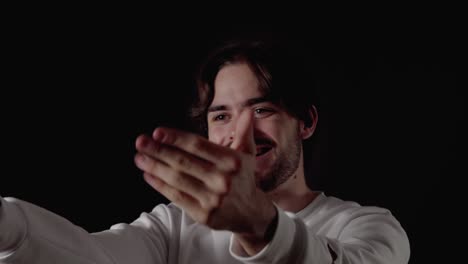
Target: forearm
{"points": [[262, 232], [379, 241], [30, 234], [285, 245]]}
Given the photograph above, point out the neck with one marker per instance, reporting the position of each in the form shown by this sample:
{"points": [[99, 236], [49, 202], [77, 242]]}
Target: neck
{"points": [[294, 194]]}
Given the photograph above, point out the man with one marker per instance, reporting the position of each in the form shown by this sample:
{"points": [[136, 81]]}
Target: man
{"points": [[238, 196]]}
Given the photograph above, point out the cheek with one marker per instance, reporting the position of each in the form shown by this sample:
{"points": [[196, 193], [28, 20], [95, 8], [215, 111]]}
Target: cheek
{"points": [[216, 134], [269, 129], [278, 130]]}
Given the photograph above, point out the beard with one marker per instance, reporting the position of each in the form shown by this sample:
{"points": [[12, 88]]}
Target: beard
{"points": [[284, 167]]}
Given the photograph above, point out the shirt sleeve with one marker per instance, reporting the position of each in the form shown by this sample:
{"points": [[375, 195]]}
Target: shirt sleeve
{"points": [[12, 228], [367, 237], [277, 250], [31, 234]]}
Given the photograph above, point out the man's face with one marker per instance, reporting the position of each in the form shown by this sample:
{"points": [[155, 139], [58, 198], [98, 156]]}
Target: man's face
{"points": [[277, 135]]}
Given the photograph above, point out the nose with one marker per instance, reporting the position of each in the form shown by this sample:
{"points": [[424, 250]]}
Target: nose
{"points": [[226, 134], [231, 136], [243, 125]]}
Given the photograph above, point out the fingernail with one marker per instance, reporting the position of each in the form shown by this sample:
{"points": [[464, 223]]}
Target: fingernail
{"points": [[140, 158], [158, 135], [144, 141]]}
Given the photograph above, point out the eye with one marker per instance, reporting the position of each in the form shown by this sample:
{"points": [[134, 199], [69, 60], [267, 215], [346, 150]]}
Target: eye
{"points": [[220, 117], [263, 112]]}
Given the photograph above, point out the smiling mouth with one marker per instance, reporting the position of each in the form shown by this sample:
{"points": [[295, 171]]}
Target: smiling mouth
{"points": [[262, 150]]}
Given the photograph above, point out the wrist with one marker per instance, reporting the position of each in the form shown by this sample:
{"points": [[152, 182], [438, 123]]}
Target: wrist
{"points": [[262, 232]]}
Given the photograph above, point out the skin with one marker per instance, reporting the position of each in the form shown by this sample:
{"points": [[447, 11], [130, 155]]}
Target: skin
{"points": [[220, 181]]}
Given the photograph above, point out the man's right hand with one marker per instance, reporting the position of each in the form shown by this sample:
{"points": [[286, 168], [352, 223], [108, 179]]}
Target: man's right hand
{"points": [[214, 184]]}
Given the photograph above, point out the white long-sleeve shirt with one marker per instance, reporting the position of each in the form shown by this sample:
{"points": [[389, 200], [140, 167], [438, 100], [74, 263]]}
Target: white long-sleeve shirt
{"points": [[327, 228]]}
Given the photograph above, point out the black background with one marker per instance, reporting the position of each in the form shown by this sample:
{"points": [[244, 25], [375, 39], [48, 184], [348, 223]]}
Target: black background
{"points": [[78, 91]]}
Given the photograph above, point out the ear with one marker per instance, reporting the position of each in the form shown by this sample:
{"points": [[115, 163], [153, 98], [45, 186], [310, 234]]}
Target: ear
{"points": [[308, 131]]}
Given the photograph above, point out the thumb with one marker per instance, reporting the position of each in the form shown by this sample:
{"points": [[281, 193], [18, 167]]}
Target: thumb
{"points": [[244, 134]]}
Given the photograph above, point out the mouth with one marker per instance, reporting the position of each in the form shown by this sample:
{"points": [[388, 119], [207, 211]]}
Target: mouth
{"points": [[262, 150], [263, 146]]}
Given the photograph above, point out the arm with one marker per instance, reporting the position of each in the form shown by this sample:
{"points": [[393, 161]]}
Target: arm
{"points": [[368, 236], [213, 184], [30, 234], [12, 229]]}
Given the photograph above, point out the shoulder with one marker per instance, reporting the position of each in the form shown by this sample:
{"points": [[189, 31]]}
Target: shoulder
{"points": [[335, 206], [333, 212], [358, 226]]}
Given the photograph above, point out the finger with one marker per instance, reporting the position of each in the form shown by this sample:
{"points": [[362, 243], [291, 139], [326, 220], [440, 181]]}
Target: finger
{"points": [[181, 199], [178, 180], [244, 134], [184, 162], [176, 196], [224, 158]]}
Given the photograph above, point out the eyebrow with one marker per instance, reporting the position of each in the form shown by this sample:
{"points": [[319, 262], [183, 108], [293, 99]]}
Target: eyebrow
{"points": [[249, 102]]}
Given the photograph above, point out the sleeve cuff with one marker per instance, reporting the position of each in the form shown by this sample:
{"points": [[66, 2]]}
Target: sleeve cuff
{"points": [[12, 228], [276, 250]]}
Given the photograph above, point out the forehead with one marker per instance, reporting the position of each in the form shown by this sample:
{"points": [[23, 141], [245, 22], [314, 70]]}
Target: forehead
{"points": [[234, 84]]}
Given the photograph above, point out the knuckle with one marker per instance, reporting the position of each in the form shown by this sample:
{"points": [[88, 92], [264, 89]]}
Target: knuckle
{"points": [[175, 178], [197, 144], [234, 163], [224, 184], [182, 161], [153, 167], [209, 169], [211, 203], [176, 196], [216, 201]]}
